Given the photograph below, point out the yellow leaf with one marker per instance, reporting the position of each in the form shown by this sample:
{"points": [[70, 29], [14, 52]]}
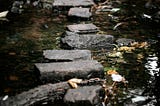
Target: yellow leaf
{"points": [[125, 48], [110, 72]]}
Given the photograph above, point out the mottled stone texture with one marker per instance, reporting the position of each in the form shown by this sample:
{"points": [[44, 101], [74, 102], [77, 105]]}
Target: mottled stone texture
{"points": [[60, 71], [37, 96], [84, 96], [80, 12], [83, 28], [67, 55], [87, 41], [73, 3]]}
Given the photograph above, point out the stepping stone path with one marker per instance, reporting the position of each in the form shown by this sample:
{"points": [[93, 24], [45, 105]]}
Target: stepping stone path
{"points": [[72, 3], [84, 96], [83, 28], [67, 55], [67, 64], [88, 41], [80, 12], [62, 71]]}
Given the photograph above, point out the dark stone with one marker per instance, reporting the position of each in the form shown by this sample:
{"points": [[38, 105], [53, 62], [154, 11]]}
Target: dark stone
{"points": [[80, 12], [67, 55], [87, 41], [124, 41], [38, 96], [84, 96], [73, 3], [83, 28], [62, 71]]}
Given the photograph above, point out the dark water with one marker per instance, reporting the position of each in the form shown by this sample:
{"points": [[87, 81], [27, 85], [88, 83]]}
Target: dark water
{"points": [[25, 36]]}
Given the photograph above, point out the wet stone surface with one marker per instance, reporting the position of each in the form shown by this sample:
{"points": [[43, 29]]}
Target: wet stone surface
{"points": [[61, 71], [83, 28], [80, 12], [88, 41], [67, 55], [37, 96], [84, 96]]}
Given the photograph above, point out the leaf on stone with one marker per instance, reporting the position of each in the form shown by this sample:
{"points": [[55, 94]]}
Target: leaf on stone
{"points": [[73, 82]]}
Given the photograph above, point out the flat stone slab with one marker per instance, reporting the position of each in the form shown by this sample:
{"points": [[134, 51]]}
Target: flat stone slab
{"points": [[84, 96], [83, 28], [80, 12], [62, 71], [67, 55], [87, 41], [73, 3]]}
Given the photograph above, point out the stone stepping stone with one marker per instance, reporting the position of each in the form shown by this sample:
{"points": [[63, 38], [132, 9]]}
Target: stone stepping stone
{"points": [[84, 96], [73, 3], [80, 12], [83, 28], [62, 71], [67, 55], [87, 41]]}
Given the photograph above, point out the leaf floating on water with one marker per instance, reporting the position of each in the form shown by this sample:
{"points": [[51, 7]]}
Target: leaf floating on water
{"points": [[110, 72], [126, 48], [139, 45], [5, 98], [73, 82], [3, 14], [117, 78], [115, 54]]}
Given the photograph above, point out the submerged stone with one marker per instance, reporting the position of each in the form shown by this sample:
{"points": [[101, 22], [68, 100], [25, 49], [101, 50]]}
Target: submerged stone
{"points": [[87, 41], [67, 55], [83, 28], [73, 3], [84, 96], [60, 71], [124, 41], [80, 12]]}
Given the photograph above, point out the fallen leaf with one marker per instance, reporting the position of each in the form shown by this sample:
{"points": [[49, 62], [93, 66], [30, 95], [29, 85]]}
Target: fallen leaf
{"points": [[74, 85], [73, 82], [110, 72], [117, 78], [126, 48]]}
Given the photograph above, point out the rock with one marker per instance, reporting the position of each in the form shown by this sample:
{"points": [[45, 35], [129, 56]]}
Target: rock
{"points": [[61, 71], [67, 55], [84, 96], [37, 96], [47, 4], [124, 41], [87, 41], [73, 3], [80, 12], [83, 28]]}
